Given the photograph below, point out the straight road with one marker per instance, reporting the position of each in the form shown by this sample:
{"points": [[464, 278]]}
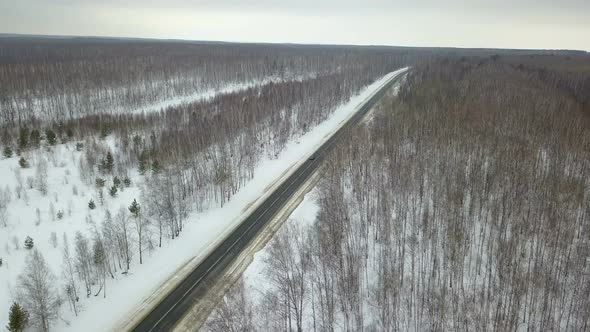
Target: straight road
{"points": [[172, 308]]}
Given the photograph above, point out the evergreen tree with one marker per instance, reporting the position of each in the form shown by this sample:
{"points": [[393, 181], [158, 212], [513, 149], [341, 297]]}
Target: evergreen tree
{"points": [[51, 137], [110, 163], [18, 318], [23, 162], [127, 181], [143, 163], [23, 138], [79, 146], [135, 208], [29, 243], [91, 205], [100, 182], [35, 138], [7, 152], [156, 167], [116, 181], [113, 191]]}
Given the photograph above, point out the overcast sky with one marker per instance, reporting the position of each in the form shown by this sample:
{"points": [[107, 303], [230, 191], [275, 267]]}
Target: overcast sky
{"points": [[548, 24]]}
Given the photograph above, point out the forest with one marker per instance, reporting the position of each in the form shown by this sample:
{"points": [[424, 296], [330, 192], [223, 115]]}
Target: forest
{"points": [[109, 149], [462, 205]]}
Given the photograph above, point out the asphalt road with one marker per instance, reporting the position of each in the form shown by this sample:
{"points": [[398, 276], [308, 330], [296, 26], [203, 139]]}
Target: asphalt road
{"points": [[173, 307]]}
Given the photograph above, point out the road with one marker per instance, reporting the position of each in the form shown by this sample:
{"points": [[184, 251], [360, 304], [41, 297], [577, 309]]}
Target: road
{"points": [[173, 306]]}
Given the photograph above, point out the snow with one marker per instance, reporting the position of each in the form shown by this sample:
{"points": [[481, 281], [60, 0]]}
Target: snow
{"points": [[126, 292], [254, 276], [212, 92], [40, 104]]}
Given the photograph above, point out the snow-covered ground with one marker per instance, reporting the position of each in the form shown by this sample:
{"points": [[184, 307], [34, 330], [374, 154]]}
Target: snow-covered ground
{"points": [[212, 92], [40, 104], [125, 292], [254, 277]]}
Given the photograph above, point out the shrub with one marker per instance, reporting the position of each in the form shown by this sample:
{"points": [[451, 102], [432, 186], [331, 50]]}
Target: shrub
{"points": [[51, 137], [29, 244], [7, 152], [23, 162], [113, 191]]}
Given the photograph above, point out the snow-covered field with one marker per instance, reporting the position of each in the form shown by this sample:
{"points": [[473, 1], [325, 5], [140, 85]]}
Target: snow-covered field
{"points": [[67, 193]]}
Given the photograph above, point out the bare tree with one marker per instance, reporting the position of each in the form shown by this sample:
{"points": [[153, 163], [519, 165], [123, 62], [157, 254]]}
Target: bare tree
{"points": [[68, 273], [37, 291], [41, 176], [140, 224], [84, 262], [234, 313], [4, 200], [288, 269], [122, 233]]}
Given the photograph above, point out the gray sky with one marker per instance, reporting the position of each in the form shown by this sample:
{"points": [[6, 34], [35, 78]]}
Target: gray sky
{"points": [[554, 24]]}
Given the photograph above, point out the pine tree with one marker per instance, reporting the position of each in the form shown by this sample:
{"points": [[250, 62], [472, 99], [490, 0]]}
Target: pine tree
{"points": [[143, 163], [100, 182], [91, 205], [113, 191], [18, 318], [156, 167], [29, 244], [116, 181], [127, 181], [35, 138], [7, 152], [51, 137], [23, 138], [135, 209], [23, 162], [79, 146], [110, 163]]}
